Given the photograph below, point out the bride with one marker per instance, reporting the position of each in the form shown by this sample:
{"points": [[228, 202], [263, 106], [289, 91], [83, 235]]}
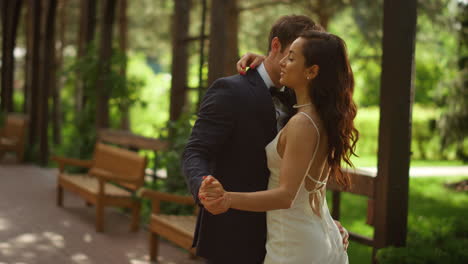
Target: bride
{"points": [[305, 154]]}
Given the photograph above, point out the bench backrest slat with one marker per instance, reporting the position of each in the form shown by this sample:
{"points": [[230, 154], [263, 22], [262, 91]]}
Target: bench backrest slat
{"points": [[122, 163], [15, 128]]}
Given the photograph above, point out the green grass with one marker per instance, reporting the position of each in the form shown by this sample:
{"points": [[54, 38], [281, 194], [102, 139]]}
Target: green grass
{"points": [[431, 205]]}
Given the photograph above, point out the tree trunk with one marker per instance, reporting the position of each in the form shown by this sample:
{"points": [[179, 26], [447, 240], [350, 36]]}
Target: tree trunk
{"points": [[28, 35], [56, 85], [123, 29], [10, 17], [324, 19], [180, 25], [2, 7], [223, 53], [47, 77], [105, 54], [396, 99], [232, 55], [85, 38], [324, 13], [201, 84], [32, 80]]}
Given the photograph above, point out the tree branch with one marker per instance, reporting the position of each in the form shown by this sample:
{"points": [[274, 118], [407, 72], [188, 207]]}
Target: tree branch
{"points": [[266, 3]]}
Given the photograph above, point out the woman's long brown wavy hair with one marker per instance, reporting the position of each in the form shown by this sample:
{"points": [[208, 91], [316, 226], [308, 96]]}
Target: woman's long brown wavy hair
{"points": [[331, 92]]}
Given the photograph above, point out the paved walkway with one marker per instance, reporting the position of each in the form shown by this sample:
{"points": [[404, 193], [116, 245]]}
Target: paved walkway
{"points": [[432, 171], [33, 230]]}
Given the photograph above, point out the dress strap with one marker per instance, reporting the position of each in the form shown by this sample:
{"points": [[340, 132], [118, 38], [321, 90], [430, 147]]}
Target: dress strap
{"points": [[320, 183], [316, 181], [316, 146], [319, 186]]}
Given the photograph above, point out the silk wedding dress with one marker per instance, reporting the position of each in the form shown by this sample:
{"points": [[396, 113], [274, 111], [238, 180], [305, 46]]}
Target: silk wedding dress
{"points": [[298, 235]]}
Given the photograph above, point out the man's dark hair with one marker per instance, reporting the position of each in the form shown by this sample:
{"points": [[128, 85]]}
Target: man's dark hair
{"points": [[288, 28]]}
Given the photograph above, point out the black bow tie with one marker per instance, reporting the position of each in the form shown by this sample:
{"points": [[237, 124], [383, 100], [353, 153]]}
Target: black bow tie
{"points": [[275, 92], [283, 95]]}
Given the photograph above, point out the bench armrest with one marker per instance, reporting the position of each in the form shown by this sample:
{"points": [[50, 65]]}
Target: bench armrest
{"points": [[167, 197], [108, 176], [62, 161]]}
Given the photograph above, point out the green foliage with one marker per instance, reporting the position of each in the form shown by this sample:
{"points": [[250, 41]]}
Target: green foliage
{"points": [[150, 28], [453, 124], [435, 54], [79, 130], [425, 137], [358, 22], [81, 137], [177, 133], [151, 116]]}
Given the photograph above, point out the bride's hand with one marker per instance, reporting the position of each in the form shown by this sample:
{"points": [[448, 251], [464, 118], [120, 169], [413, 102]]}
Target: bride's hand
{"points": [[211, 189], [344, 234], [250, 59]]}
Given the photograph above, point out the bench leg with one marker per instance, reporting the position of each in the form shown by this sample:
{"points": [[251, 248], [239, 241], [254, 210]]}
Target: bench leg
{"points": [[59, 196], [99, 217], [135, 217], [154, 244], [20, 155]]}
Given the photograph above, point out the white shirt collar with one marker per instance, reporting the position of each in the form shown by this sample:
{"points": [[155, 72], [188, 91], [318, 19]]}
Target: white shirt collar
{"points": [[266, 78], [264, 74]]}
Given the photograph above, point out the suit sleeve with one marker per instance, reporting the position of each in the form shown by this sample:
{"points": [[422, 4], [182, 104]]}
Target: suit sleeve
{"points": [[213, 127]]}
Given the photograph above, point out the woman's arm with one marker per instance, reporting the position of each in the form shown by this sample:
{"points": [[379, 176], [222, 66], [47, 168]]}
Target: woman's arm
{"points": [[295, 162]]}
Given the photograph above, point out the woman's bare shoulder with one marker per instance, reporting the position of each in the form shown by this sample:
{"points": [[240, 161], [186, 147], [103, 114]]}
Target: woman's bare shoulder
{"points": [[301, 128]]}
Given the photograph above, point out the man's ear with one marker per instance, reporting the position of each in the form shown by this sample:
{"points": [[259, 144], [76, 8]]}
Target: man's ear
{"points": [[275, 45]]}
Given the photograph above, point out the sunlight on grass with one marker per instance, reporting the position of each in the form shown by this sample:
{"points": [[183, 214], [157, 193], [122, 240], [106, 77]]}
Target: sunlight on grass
{"points": [[431, 206], [371, 161]]}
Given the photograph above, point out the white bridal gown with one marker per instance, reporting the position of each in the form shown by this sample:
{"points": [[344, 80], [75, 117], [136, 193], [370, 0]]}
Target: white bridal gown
{"points": [[297, 235]]}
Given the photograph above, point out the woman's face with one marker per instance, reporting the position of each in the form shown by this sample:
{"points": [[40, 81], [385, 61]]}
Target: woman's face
{"points": [[293, 72]]}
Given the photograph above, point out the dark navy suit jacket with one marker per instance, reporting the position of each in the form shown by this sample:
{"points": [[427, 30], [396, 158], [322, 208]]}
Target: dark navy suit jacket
{"points": [[235, 122]]}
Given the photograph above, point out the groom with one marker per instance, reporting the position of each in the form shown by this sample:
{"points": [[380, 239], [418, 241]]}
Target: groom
{"points": [[236, 120]]}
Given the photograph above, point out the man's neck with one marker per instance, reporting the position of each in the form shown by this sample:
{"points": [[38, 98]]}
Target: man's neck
{"points": [[269, 65]]}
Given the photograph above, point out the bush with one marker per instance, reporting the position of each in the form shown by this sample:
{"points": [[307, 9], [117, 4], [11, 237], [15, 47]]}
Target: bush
{"points": [[426, 140], [177, 133]]}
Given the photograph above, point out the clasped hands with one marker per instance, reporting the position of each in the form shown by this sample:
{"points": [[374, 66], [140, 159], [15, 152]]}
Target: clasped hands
{"points": [[213, 196]]}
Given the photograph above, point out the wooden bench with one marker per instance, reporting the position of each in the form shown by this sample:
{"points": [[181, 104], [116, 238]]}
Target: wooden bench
{"points": [[178, 229], [13, 135], [128, 140], [113, 177]]}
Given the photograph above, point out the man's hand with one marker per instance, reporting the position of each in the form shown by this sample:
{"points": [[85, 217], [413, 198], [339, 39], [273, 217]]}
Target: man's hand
{"points": [[213, 196], [344, 234], [249, 59]]}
